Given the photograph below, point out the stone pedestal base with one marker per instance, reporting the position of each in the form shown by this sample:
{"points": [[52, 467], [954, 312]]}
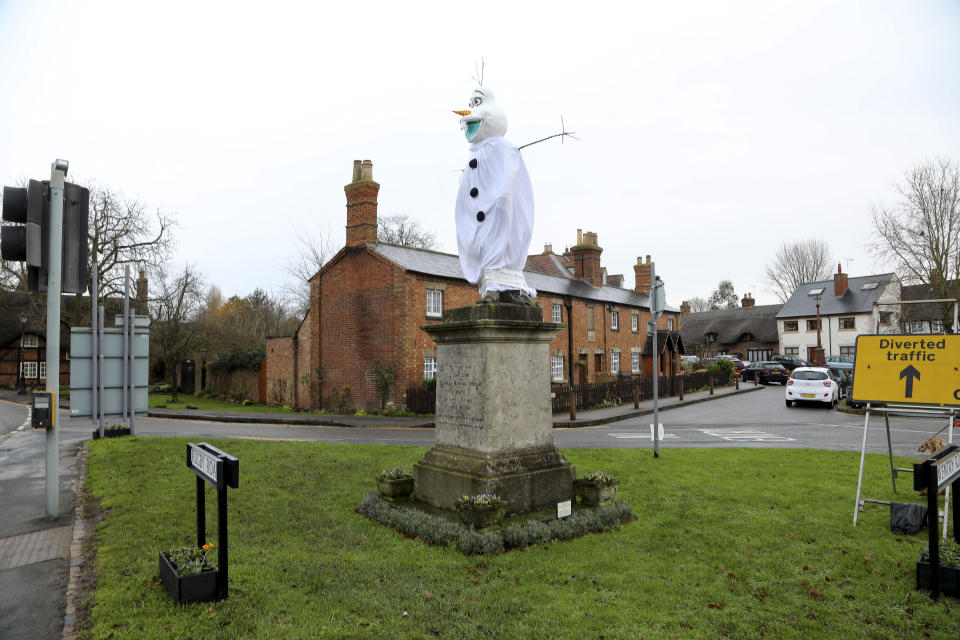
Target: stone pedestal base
{"points": [[527, 480], [494, 429]]}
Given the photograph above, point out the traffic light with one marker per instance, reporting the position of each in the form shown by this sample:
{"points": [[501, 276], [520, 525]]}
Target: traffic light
{"points": [[28, 238]]}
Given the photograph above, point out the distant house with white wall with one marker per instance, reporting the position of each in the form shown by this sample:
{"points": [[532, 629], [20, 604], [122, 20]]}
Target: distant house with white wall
{"points": [[848, 307]]}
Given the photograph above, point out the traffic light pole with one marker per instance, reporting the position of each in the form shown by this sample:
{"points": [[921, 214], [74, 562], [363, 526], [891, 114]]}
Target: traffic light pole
{"points": [[58, 175]]}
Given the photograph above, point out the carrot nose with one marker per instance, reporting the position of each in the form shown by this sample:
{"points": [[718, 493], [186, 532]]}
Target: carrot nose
{"points": [[462, 113]]}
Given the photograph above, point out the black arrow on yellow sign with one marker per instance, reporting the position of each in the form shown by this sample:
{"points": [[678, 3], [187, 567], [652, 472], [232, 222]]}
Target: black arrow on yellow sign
{"points": [[909, 373]]}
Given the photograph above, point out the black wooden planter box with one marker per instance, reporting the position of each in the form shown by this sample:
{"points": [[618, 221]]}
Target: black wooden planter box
{"points": [[949, 578], [199, 587], [111, 433]]}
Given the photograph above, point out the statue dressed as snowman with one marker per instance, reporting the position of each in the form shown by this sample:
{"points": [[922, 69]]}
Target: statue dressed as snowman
{"points": [[494, 211]]}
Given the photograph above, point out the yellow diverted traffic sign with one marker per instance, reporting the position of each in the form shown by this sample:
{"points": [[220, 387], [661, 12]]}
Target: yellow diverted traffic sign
{"points": [[908, 369]]}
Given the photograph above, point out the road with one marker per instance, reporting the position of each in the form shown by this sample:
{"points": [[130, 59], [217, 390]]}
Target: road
{"points": [[758, 419]]}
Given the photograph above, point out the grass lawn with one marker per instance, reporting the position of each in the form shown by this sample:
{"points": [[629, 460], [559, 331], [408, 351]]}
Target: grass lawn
{"points": [[737, 543]]}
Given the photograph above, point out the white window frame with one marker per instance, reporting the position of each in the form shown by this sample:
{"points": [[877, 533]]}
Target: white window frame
{"points": [[429, 368], [556, 368], [915, 326], [614, 362], [936, 326], [670, 324], [635, 362], [434, 303], [557, 313], [635, 322], [614, 320], [28, 370], [43, 370], [30, 341]]}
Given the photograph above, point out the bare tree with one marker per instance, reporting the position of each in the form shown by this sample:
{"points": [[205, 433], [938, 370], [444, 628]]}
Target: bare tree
{"points": [[796, 263], [698, 303], [123, 231], [310, 251], [405, 231], [921, 234], [173, 312]]}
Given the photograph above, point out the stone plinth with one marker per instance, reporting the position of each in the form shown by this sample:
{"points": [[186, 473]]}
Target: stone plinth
{"points": [[494, 426]]}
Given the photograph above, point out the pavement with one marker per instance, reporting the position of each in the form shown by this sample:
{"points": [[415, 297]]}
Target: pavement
{"points": [[40, 557]]}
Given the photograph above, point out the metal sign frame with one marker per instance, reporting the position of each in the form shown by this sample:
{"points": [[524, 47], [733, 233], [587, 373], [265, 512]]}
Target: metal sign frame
{"points": [[940, 470], [220, 470]]}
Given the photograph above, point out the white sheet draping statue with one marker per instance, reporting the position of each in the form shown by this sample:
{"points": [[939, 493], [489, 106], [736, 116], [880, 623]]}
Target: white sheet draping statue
{"points": [[494, 210]]}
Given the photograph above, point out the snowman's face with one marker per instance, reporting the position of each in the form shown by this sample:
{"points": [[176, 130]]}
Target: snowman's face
{"points": [[484, 119]]}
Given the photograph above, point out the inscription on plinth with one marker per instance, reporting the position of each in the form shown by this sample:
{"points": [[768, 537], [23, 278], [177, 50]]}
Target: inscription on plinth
{"points": [[462, 405]]}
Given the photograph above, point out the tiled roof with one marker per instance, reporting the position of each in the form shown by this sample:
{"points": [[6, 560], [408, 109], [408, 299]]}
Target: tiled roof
{"points": [[445, 265], [929, 310], [855, 300], [666, 341], [730, 324]]}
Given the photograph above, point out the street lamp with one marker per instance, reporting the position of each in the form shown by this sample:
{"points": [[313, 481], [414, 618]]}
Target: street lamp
{"points": [[21, 383]]}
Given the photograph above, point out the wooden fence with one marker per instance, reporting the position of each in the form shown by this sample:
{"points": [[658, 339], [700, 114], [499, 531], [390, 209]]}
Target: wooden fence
{"points": [[591, 394]]}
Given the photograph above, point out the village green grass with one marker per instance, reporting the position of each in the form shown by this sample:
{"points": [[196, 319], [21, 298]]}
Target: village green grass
{"points": [[212, 404], [741, 543]]}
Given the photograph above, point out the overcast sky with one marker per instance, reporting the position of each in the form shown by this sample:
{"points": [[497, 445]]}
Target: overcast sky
{"points": [[710, 132]]}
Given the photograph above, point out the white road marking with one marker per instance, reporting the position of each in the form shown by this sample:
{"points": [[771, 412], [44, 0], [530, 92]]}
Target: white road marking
{"points": [[640, 436], [26, 424], [745, 435]]}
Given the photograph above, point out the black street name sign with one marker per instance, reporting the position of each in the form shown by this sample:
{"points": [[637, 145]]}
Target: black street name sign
{"points": [[212, 465]]}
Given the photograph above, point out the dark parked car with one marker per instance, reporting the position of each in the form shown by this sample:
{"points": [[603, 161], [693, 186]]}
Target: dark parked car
{"points": [[789, 362], [842, 372], [765, 372]]}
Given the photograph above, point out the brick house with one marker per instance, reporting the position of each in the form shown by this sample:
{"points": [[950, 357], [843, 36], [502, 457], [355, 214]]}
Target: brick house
{"points": [[848, 307], [748, 330], [368, 302]]}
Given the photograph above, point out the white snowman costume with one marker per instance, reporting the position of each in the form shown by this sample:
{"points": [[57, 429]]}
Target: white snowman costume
{"points": [[494, 210]]}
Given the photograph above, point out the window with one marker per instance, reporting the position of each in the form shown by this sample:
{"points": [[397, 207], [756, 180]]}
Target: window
{"points": [[915, 326], [43, 370], [29, 369], [791, 325], [635, 362], [791, 351], [429, 368], [615, 362], [816, 292], [812, 325], [634, 322], [710, 338], [434, 303], [557, 313], [670, 324], [936, 326], [869, 286], [758, 355], [885, 317], [556, 366], [848, 323], [30, 340], [590, 322], [848, 351], [614, 320]]}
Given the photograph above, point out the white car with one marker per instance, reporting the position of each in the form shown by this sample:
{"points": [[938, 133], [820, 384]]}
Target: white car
{"points": [[812, 384]]}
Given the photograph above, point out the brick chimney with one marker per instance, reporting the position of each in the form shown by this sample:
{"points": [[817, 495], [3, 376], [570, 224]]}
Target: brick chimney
{"points": [[140, 306], [747, 301], [586, 258], [684, 307], [839, 282], [361, 205], [641, 272]]}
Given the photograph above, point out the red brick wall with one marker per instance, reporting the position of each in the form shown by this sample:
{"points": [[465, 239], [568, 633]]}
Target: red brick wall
{"points": [[357, 325], [280, 370], [306, 375]]}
